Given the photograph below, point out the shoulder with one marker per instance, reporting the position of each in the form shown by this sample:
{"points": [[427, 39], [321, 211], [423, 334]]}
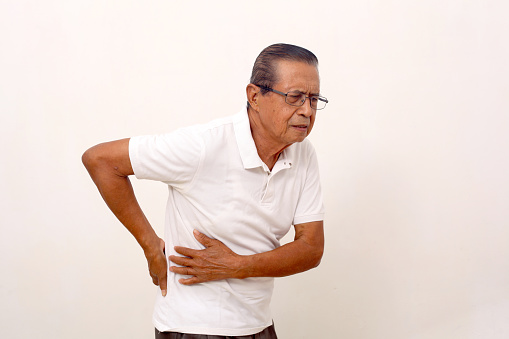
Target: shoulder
{"points": [[220, 125], [197, 132]]}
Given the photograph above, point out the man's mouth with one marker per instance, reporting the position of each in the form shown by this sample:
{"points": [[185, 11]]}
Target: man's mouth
{"points": [[301, 127]]}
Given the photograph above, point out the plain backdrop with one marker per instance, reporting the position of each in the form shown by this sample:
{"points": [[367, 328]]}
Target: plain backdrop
{"points": [[413, 150]]}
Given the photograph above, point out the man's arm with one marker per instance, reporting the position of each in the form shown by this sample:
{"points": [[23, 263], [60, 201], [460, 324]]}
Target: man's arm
{"points": [[109, 166], [217, 261]]}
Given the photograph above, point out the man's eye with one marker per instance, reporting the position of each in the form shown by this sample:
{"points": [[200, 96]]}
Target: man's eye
{"points": [[293, 97]]}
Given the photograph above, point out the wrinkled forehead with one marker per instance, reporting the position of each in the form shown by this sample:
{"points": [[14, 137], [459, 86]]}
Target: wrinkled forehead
{"points": [[297, 75]]}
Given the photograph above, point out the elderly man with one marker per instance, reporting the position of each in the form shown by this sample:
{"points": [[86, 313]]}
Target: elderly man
{"points": [[236, 185]]}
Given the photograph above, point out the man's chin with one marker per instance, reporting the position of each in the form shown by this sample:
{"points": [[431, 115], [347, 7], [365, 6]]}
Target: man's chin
{"points": [[300, 138]]}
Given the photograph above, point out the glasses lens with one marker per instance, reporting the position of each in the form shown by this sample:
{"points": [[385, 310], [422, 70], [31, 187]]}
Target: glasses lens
{"points": [[298, 98], [318, 102], [295, 98]]}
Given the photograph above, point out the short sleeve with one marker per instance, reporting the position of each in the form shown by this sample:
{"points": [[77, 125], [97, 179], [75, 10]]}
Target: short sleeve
{"points": [[172, 158], [310, 204]]}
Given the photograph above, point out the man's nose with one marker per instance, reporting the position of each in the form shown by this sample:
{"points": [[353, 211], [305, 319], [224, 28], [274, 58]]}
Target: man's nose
{"points": [[306, 109]]}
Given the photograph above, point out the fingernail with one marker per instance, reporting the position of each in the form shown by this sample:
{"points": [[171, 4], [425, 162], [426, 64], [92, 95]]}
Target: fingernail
{"points": [[196, 232], [164, 293]]}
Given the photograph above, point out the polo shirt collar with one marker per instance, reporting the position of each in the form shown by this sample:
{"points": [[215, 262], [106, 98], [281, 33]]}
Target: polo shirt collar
{"points": [[247, 147]]}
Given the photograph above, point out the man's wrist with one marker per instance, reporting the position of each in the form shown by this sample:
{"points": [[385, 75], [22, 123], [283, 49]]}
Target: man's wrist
{"points": [[151, 245], [242, 266]]}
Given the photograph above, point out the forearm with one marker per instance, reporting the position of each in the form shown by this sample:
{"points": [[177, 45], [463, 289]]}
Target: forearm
{"points": [[109, 166], [295, 257], [119, 196], [217, 262], [116, 190]]}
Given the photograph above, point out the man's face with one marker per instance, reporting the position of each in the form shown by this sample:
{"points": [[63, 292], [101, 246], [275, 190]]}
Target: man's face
{"points": [[282, 123]]}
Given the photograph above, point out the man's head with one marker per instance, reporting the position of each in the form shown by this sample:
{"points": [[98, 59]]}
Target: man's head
{"points": [[265, 67], [280, 73]]}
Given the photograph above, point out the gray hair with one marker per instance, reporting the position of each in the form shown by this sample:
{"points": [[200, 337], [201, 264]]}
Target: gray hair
{"points": [[264, 69]]}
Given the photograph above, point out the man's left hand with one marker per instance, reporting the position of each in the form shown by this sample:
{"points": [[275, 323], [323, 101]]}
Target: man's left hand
{"points": [[215, 262]]}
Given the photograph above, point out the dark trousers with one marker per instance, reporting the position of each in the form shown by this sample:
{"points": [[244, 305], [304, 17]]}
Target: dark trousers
{"points": [[268, 333]]}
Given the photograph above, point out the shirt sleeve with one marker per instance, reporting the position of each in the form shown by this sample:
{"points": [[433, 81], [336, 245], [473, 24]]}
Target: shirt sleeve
{"points": [[172, 158], [310, 205]]}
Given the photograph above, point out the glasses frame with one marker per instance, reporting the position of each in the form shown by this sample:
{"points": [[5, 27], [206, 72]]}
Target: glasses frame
{"points": [[323, 99]]}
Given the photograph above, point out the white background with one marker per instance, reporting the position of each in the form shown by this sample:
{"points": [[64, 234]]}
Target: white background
{"points": [[413, 149]]}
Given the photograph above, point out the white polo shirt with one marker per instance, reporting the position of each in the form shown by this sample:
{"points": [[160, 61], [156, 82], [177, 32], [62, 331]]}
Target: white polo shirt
{"points": [[219, 185]]}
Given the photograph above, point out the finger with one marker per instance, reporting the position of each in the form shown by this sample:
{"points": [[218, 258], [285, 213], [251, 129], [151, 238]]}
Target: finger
{"points": [[203, 239], [182, 270], [188, 252], [190, 281], [162, 284], [155, 281], [183, 261]]}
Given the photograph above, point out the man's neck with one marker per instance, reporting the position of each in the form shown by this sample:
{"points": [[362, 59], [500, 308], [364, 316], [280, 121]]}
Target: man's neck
{"points": [[267, 150]]}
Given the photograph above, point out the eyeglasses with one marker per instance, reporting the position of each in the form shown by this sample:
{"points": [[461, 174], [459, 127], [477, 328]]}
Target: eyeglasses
{"points": [[296, 98]]}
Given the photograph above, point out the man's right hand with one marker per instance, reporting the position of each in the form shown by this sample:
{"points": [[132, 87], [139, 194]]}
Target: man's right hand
{"points": [[157, 265]]}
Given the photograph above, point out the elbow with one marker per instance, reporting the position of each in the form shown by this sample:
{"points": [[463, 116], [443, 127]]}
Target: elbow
{"points": [[317, 259], [110, 158], [94, 158], [89, 159], [85, 158], [317, 263]]}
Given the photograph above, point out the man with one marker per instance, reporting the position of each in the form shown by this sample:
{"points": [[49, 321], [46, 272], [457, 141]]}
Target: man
{"points": [[236, 185]]}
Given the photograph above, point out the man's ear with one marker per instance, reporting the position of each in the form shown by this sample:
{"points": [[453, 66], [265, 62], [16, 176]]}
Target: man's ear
{"points": [[253, 93]]}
